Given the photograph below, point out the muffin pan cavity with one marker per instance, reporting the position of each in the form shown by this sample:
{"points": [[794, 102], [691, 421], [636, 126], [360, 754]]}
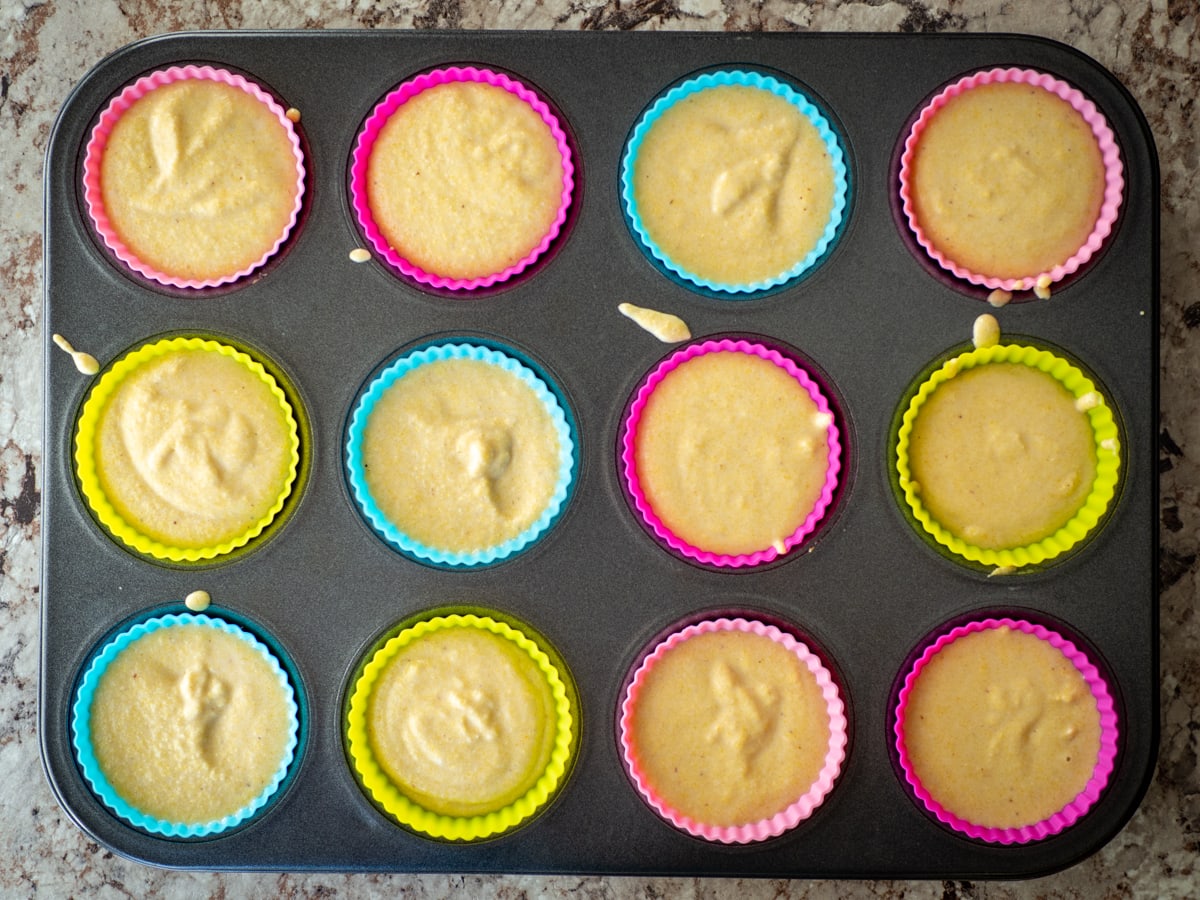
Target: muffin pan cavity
{"points": [[588, 579]]}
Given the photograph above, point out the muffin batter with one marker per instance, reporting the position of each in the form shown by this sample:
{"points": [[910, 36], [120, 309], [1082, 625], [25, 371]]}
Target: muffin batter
{"points": [[1007, 180], [462, 721], [465, 179], [199, 179], [731, 452], [734, 184], [1002, 455], [730, 728], [461, 455], [193, 448], [1002, 729], [189, 723]]}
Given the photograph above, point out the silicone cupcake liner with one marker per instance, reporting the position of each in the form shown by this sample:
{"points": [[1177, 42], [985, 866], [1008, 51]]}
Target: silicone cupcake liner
{"points": [[1086, 798], [642, 503], [462, 828], [806, 108], [1114, 180], [1107, 444], [94, 155], [85, 452], [380, 522], [796, 812], [366, 143], [94, 774]]}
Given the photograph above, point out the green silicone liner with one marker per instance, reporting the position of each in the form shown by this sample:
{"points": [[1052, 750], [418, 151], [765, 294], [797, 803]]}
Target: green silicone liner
{"points": [[1107, 444], [461, 828], [85, 452]]}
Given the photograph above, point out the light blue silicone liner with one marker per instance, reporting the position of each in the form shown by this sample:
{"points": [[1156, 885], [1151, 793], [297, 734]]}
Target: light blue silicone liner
{"points": [[82, 733], [743, 79], [380, 522]]}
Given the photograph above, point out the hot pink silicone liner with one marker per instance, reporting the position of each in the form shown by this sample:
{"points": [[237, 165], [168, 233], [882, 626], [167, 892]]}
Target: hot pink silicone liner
{"points": [[796, 812], [370, 133], [1070, 813], [94, 154], [629, 462], [1114, 180]]}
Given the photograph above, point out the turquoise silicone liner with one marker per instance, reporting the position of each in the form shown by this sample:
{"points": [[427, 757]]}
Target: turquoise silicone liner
{"points": [[743, 79], [82, 733], [380, 522]]}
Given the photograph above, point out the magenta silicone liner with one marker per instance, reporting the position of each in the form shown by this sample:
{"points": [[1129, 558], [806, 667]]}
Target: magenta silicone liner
{"points": [[1070, 813], [359, 200], [1114, 185], [94, 155], [642, 503], [796, 812]]}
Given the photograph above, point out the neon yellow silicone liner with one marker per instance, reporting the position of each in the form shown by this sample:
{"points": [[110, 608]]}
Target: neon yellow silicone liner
{"points": [[1107, 445], [85, 452], [437, 825]]}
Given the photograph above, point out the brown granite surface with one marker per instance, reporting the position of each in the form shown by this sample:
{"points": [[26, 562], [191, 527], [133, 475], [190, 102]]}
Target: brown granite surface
{"points": [[1153, 46]]}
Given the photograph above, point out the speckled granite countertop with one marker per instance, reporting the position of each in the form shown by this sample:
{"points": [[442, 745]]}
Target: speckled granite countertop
{"points": [[1153, 46]]}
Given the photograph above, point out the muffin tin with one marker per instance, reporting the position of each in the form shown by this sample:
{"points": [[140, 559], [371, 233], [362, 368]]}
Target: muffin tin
{"points": [[864, 590]]}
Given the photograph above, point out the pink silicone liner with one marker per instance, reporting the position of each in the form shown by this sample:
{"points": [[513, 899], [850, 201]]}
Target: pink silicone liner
{"points": [[94, 155], [1114, 185], [370, 133], [1070, 813], [629, 462], [797, 811]]}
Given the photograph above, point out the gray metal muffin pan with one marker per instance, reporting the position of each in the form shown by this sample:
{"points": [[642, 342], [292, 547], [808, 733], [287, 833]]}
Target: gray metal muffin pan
{"points": [[865, 590]]}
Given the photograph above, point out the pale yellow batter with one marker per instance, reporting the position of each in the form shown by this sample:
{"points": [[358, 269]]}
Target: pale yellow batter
{"points": [[1002, 456], [462, 721], [1002, 729], [731, 452], [1007, 180], [189, 724], [193, 448], [199, 179], [734, 184], [730, 728], [461, 455], [465, 179]]}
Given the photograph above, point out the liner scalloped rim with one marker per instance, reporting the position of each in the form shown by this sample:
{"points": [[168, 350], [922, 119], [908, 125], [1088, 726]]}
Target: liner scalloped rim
{"points": [[85, 457], [357, 475], [1114, 180], [1077, 807], [366, 143], [94, 153], [82, 736], [629, 459], [1108, 457], [437, 825], [737, 78], [796, 812]]}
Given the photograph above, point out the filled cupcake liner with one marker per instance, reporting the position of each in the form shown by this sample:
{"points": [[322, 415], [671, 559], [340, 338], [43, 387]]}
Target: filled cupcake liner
{"points": [[1114, 179], [461, 828], [89, 478], [807, 109], [1107, 446], [94, 774], [365, 144], [94, 158], [1105, 761], [404, 542], [796, 812], [638, 495]]}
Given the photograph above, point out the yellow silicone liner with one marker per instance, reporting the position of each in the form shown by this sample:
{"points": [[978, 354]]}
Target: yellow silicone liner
{"points": [[85, 451], [1104, 431], [460, 828]]}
